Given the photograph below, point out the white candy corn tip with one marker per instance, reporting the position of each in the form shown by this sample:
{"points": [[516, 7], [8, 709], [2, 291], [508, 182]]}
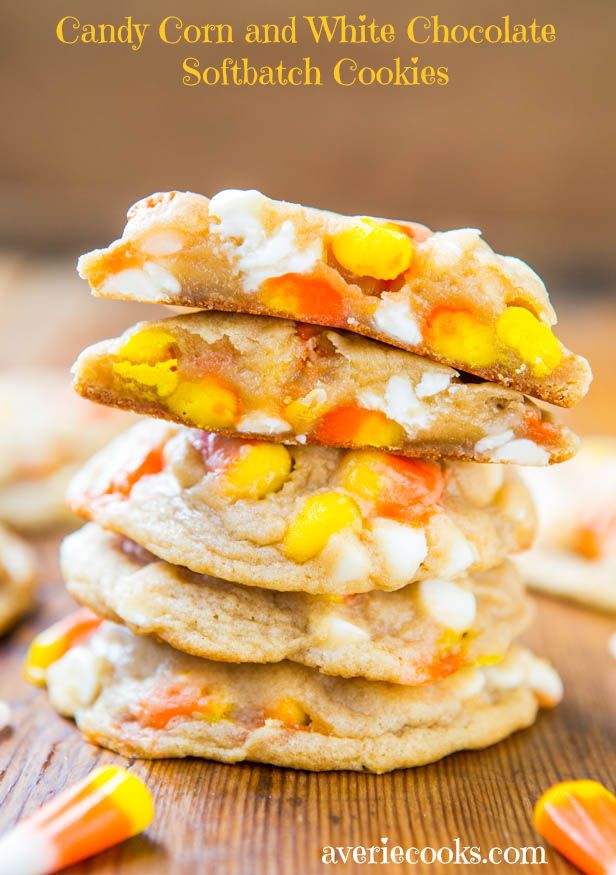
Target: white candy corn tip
{"points": [[24, 851]]}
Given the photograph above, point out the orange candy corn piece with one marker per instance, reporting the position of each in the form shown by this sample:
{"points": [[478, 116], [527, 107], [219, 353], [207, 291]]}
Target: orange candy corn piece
{"points": [[177, 699], [139, 459], [579, 819], [595, 534], [303, 297], [110, 805], [49, 646], [356, 426]]}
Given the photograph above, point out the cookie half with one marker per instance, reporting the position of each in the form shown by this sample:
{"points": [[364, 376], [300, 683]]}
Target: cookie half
{"points": [[446, 296], [295, 383], [18, 572], [412, 636], [312, 519], [145, 699]]}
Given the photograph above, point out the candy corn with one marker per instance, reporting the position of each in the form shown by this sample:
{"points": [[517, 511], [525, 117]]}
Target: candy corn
{"points": [[54, 642], [110, 805], [579, 819], [304, 297]]}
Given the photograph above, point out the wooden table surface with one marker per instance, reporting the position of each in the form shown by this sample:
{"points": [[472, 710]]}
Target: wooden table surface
{"points": [[259, 820]]}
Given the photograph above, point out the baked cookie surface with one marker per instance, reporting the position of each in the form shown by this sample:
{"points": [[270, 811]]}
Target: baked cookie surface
{"points": [[296, 383], [141, 698], [575, 553], [446, 296], [46, 432], [18, 572], [313, 519], [415, 635]]}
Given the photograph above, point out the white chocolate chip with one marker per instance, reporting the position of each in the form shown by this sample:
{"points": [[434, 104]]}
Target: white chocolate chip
{"points": [[402, 548], [446, 249], [150, 283], [611, 645], [505, 675], [448, 603], [459, 554], [522, 275], [5, 715], [544, 681], [164, 242], [74, 681], [505, 447], [433, 383], [493, 441], [347, 558], [162, 277], [400, 404], [262, 423], [393, 318], [238, 213], [522, 452], [333, 632], [522, 668], [472, 683], [260, 254]]}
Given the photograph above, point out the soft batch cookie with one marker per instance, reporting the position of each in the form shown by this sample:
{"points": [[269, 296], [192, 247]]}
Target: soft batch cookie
{"points": [[446, 295], [18, 573], [575, 553], [141, 698], [46, 432], [297, 383], [423, 632], [313, 519]]}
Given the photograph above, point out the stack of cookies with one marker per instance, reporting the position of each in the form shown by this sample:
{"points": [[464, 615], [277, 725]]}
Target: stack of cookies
{"points": [[302, 556]]}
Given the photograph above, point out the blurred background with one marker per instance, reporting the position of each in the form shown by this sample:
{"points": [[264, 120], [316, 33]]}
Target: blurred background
{"points": [[520, 144]]}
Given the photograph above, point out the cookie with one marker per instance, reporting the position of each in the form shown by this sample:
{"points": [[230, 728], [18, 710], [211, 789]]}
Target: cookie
{"points": [[575, 553], [446, 296], [418, 634], [145, 699], [17, 579], [46, 432], [287, 381], [313, 519]]}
